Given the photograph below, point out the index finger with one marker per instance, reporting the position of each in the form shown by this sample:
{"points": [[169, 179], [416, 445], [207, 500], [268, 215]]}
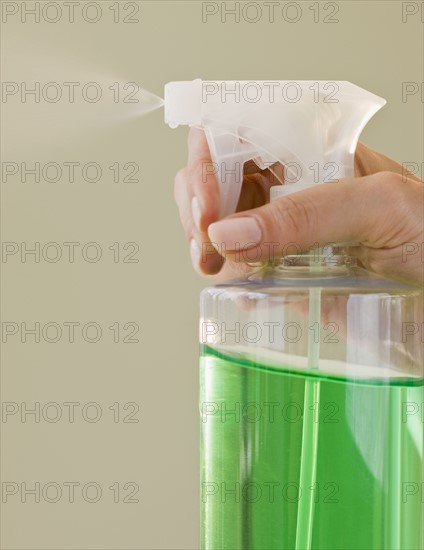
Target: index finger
{"points": [[198, 148]]}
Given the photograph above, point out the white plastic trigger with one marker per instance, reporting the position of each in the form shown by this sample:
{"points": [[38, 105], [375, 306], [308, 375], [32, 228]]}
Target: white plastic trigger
{"points": [[229, 154]]}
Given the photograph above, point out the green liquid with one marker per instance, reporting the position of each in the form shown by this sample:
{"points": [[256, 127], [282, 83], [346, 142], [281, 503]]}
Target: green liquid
{"points": [[368, 489]]}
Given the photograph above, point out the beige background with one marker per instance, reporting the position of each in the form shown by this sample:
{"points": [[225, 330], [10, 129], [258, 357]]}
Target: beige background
{"points": [[369, 46]]}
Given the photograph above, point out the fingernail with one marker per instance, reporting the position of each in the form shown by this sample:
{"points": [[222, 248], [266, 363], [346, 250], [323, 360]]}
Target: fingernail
{"points": [[236, 233], [196, 211], [195, 254]]}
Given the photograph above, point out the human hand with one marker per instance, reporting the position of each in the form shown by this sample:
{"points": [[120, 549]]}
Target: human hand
{"points": [[381, 208]]}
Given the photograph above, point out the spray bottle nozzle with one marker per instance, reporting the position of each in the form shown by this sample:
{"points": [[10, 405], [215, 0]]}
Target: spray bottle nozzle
{"points": [[183, 103], [310, 127]]}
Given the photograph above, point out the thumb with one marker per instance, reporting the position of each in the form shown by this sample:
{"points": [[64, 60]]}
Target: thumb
{"points": [[349, 210]]}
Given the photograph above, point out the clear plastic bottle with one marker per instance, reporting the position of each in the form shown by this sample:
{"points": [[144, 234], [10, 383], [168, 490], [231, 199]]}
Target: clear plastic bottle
{"points": [[311, 399], [311, 380]]}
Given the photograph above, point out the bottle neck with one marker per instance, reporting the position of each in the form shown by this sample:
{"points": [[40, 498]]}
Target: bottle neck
{"points": [[330, 261]]}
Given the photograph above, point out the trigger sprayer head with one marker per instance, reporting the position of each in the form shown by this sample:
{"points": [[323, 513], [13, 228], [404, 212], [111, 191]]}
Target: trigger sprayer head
{"points": [[310, 127]]}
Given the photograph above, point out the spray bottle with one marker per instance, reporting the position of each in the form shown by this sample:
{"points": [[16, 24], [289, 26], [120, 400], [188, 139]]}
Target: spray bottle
{"points": [[310, 387]]}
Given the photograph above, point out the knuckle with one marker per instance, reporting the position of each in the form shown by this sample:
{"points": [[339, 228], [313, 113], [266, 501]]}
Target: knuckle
{"points": [[392, 180], [386, 182], [386, 189], [297, 215]]}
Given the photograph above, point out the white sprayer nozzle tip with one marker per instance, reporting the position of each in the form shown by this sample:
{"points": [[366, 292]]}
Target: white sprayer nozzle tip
{"points": [[183, 103]]}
